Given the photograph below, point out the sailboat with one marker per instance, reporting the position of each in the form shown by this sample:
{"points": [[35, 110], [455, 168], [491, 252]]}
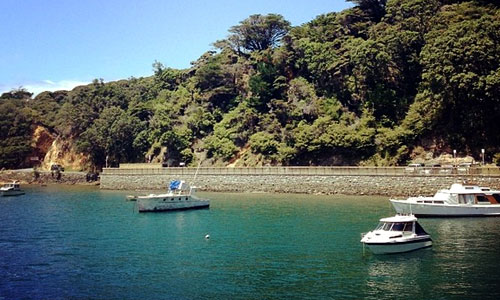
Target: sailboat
{"points": [[179, 196]]}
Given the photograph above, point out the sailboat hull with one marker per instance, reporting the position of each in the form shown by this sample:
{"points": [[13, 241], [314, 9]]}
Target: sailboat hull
{"points": [[157, 203]]}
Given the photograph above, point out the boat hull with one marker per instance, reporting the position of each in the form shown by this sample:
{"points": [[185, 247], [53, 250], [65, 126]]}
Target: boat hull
{"points": [[158, 204], [398, 247], [445, 210], [11, 193]]}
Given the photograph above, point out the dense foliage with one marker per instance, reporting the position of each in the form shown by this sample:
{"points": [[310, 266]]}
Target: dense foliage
{"points": [[366, 85], [15, 129]]}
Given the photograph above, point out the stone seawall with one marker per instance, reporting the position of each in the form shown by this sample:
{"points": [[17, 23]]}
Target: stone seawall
{"points": [[29, 177], [308, 184]]}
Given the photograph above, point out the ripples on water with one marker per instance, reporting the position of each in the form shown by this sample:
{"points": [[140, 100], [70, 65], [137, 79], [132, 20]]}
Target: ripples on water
{"points": [[83, 243]]}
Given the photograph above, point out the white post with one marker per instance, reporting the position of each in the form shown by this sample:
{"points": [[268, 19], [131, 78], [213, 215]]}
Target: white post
{"points": [[482, 154]]}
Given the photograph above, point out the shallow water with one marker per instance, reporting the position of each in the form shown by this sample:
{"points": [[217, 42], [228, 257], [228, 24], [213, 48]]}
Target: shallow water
{"points": [[61, 242]]}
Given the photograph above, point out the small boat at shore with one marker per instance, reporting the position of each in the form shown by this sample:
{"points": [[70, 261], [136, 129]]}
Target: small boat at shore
{"points": [[401, 233], [11, 189], [180, 196], [457, 201], [131, 197]]}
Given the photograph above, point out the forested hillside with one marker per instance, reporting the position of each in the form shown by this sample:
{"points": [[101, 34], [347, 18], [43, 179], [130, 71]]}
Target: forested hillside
{"points": [[371, 85]]}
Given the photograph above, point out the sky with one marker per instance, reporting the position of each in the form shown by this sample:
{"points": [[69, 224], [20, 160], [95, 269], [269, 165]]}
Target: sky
{"points": [[59, 44]]}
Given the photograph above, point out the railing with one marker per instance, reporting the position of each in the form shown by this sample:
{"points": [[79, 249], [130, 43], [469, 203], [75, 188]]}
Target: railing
{"points": [[308, 171], [141, 166]]}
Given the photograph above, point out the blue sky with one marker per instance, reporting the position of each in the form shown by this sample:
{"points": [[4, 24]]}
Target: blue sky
{"points": [[58, 44]]}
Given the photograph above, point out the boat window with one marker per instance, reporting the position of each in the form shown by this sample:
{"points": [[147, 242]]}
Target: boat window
{"points": [[453, 198], [384, 226], [481, 198], [439, 202], [419, 230], [398, 226], [387, 226], [408, 227], [497, 197], [466, 199]]}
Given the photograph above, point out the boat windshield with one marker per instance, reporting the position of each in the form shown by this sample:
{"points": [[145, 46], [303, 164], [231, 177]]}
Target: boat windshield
{"points": [[466, 199], [396, 226], [384, 226]]}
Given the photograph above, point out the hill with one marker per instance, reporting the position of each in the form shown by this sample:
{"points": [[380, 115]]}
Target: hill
{"points": [[376, 84]]}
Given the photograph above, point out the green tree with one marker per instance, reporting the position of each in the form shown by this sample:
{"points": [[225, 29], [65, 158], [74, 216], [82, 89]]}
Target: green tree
{"points": [[15, 133], [375, 8], [460, 78], [264, 143], [258, 32], [19, 94], [111, 135]]}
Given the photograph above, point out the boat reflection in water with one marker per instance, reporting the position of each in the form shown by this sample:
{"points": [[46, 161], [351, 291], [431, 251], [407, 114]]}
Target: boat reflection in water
{"points": [[389, 276]]}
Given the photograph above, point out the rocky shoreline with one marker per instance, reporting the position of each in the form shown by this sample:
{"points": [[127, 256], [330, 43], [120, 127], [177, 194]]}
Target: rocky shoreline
{"points": [[45, 177]]}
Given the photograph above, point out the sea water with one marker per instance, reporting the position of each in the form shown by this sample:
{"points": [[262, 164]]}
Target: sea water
{"points": [[61, 242]]}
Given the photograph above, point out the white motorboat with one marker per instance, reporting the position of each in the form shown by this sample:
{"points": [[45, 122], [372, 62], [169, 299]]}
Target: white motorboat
{"points": [[180, 196], [457, 201], [11, 189], [401, 233]]}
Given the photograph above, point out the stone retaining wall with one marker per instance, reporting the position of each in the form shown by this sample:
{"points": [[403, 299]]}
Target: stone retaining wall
{"points": [[349, 185], [44, 177]]}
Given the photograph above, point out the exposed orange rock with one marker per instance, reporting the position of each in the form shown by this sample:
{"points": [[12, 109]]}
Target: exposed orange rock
{"points": [[41, 142], [42, 139], [63, 152]]}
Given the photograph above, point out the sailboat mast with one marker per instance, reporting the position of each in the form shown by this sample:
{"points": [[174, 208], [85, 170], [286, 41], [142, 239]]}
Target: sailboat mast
{"points": [[196, 173]]}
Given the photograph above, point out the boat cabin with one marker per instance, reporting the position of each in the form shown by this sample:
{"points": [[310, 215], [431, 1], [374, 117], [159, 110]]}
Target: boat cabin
{"points": [[11, 186], [404, 224], [463, 194]]}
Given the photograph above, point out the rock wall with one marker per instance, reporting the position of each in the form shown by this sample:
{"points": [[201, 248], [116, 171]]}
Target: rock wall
{"points": [[347, 184], [41, 142], [63, 152], [29, 177]]}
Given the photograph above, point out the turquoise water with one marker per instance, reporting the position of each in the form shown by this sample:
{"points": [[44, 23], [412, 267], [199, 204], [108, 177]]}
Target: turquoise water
{"points": [[83, 243]]}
